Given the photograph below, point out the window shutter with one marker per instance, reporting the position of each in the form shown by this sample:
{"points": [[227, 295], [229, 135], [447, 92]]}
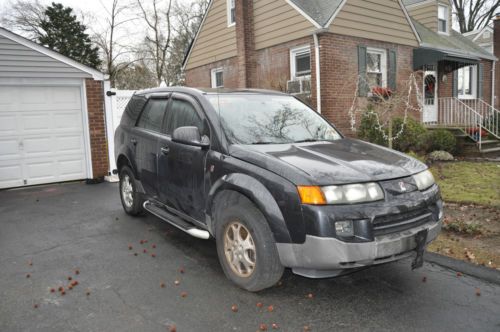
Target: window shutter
{"points": [[480, 76], [393, 70], [455, 83], [362, 80]]}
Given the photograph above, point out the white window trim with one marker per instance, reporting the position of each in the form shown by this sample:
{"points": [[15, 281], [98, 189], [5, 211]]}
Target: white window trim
{"points": [[214, 77], [447, 14], [293, 54], [228, 5], [474, 78], [383, 63]]}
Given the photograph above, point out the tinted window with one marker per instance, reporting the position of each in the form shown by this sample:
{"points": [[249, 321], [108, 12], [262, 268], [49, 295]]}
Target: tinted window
{"points": [[133, 109], [152, 116], [183, 114], [265, 119]]}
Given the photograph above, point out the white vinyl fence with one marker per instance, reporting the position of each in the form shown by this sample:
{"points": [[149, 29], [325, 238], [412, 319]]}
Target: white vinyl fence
{"points": [[116, 101]]}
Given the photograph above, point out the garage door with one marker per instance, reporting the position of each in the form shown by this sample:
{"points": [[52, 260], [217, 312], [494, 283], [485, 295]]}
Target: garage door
{"points": [[41, 135]]}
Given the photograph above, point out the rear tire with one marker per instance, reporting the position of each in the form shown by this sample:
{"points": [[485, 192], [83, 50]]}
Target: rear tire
{"points": [[131, 199], [245, 244]]}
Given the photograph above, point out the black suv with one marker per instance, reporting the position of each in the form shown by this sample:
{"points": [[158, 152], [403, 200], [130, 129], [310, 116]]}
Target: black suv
{"points": [[273, 182]]}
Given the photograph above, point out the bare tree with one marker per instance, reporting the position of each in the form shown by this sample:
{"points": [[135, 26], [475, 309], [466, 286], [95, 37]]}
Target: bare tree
{"points": [[158, 37], [25, 17], [108, 40], [475, 14]]}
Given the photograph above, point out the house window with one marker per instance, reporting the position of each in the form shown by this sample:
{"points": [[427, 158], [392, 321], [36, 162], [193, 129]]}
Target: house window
{"points": [[467, 82], [231, 13], [443, 18], [217, 78], [376, 67], [300, 62]]}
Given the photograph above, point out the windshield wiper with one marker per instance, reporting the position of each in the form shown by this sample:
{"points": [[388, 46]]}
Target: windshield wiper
{"points": [[309, 140], [264, 143]]}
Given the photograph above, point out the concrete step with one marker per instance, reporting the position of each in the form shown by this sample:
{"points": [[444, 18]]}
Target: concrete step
{"points": [[492, 150]]}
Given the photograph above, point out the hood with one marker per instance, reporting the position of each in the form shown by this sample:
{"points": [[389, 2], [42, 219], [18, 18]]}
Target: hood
{"points": [[329, 163]]}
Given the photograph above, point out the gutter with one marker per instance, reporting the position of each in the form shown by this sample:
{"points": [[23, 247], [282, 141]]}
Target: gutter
{"points": [[318, 72]]}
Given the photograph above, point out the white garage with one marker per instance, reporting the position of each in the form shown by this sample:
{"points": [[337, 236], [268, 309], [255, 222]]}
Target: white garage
{"points": [[45, 120]]}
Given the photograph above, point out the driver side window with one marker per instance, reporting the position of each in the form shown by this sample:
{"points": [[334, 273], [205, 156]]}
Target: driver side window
{"points": [[182, 114]]}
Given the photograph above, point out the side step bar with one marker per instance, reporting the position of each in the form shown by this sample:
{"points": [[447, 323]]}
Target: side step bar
{"points": [[176, 221]]}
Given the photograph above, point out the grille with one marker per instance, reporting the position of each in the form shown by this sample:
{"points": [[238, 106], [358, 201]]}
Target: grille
{"points": [[400, 222]]}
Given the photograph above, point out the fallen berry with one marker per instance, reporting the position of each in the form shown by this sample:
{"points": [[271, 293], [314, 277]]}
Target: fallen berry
{"points": [[77, 271], [52, 290], [424, 279], [130, 247], [35, 306], [61, 288], [87, 293], [162, 285], [459, 274], [70, 287], [153, 246], [181, 270], [478, 292], [172, 328], [310, 295], [74, 283], [307, 328], [270, 308], [28, 275], [69, 278], [177, 282], [275, 326], [135, 254], [30, 262], [144, 251], [259, 305], [63, 293], [153, 255], [184, 294], [234, 308], [263, 327], [141, 242]]}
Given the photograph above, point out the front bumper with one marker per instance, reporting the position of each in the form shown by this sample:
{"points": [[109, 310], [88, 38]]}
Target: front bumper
{"points": [[320, 257]]}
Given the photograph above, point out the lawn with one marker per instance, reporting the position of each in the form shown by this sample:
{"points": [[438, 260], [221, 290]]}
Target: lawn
{"points": [[469, 182]]}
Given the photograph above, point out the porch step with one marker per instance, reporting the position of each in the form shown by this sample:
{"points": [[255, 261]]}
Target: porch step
{"points": [[492, 150]]}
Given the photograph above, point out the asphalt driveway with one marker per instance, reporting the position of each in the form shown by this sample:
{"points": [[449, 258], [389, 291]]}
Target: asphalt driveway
{"points": [[63, 228]]}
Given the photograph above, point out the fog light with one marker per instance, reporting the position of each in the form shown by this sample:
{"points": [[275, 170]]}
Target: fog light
{"points": [[344, 228]]}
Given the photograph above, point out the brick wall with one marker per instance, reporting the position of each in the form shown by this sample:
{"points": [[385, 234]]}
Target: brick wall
{"points": [[339, 74], [97, 125], [245, 43], [200, 77]]}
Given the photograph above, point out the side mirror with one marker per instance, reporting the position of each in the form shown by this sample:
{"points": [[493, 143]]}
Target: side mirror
{"points": [[190, 136]]}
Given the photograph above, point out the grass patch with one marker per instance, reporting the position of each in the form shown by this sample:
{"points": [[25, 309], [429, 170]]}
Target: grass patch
{"points": [[469, 182]]}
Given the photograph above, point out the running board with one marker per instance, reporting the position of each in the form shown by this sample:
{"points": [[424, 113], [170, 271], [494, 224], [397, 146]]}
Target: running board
{"points": [[176, 221]]}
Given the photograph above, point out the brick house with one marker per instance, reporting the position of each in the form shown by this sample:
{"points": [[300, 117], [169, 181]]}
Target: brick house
{"points": [[52, 116], [327, 49]]}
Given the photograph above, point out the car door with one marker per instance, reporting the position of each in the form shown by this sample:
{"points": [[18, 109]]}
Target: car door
{"points": [[181, 168], [145, 136]]}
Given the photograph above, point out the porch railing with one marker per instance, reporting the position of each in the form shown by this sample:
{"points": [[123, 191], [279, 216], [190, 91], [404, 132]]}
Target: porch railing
{"points": [[454, 113], [491, 116]]}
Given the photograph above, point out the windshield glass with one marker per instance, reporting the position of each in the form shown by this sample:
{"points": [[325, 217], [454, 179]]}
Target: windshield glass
{"points": [[267, 119]]}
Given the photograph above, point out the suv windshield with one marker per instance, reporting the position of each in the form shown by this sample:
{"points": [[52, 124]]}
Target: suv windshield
{"points": [[268, 119]]}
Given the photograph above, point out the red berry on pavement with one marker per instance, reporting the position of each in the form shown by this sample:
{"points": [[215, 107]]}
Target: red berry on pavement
{"points": [[263, 327], [259, 305], [234, 308], [270, 308], [184, 294], [275, 326]]}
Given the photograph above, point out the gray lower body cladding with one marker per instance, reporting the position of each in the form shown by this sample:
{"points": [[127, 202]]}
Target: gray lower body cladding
{"points": [[320, 257]]}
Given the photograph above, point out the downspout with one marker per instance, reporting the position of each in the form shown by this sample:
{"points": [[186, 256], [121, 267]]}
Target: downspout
{"points": [[493, 79], [318, 74]]}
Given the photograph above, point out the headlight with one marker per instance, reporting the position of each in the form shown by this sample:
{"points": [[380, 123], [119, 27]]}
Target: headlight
{"points": [[424, 180], [346, 194]]}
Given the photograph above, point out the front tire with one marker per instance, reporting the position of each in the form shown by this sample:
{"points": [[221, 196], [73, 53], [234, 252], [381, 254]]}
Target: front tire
{"points": [[245, 244], [131, 199]]}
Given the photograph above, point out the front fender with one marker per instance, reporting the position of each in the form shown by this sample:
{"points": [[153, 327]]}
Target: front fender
{"points": [[259, 195]]}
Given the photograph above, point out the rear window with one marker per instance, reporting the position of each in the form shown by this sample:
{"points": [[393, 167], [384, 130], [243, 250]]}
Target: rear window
{"points": [[133, 109], [268, 119], [152, 116]]}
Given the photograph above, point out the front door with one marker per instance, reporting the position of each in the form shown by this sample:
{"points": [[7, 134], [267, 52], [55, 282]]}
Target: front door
{"points": [[430, 111], [181, 168]]}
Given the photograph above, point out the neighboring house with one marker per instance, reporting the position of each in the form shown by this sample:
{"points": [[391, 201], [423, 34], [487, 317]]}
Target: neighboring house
{"points": [[52, 121], [483, 37], [328, 48]]}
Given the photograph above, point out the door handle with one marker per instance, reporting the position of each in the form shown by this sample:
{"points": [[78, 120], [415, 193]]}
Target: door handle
{"points": [[133, 141], [165, 150]]}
